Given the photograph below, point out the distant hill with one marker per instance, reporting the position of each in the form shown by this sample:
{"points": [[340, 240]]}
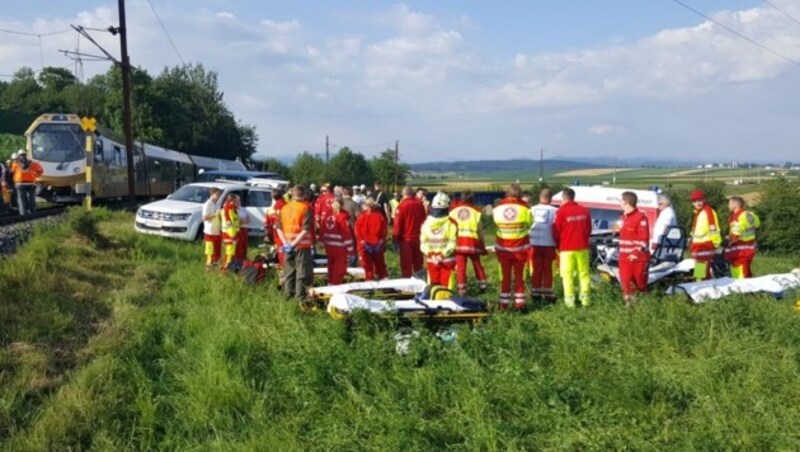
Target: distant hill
{"points": [[494, 166]]}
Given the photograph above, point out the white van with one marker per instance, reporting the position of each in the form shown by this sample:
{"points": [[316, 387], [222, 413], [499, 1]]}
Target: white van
{"points": [[179, 216]]}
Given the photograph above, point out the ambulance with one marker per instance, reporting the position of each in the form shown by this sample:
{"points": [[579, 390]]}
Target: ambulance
{"points": [[605, 205]]}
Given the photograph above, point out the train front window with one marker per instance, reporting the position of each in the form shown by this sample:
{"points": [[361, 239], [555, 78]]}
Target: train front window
{"points": [[191, 193], [58, 143]]}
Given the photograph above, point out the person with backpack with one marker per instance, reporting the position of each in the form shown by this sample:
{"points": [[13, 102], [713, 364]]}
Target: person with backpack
{"points": [[25, 174]]}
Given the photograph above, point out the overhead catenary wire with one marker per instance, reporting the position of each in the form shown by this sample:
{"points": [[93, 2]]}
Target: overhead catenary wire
{"points": [[166, 32], [782, 11], [27, 33], [739, 34]]}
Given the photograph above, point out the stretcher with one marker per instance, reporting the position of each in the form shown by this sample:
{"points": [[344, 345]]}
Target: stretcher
{"points": [[436, 303], [774, 285], [385, 289]]}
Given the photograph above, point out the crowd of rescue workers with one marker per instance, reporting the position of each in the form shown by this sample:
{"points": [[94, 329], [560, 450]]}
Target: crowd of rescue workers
{"points": [[533, 241]]}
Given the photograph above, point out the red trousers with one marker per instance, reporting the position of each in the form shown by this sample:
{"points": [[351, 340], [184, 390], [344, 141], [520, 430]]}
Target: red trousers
{"points": [[633, 275], [542, 261], [410, 257], [461, 269], [439, 274], [213, 247], [337, 264], [374, 265], [512, 264], [241, 245]]}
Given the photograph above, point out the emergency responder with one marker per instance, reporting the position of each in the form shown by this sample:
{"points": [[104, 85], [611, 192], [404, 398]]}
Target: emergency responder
{"points": [[25, 174], [350, 205], [422, 195], [6, 182], [406, 232], [296, 232], [271, 221], [438, 242], [394, 202], [212, 231], [634, 248], [243, 237], [741, 248], [572, 229], [323, 206], [371, 237], [469, 242], [229, 219], [543, 248], [338, 241], [666, 219], [706, 237], [513, 219]]}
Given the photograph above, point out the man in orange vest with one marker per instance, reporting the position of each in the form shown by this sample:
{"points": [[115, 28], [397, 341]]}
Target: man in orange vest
{"points": [[706, 237], [25, 174], [338, 241], [513, 219], [634, 248], [470, 241], [741, 247], [296, 231]]}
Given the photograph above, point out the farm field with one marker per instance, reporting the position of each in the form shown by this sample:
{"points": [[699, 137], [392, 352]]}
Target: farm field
{"points": [[123, 342]]}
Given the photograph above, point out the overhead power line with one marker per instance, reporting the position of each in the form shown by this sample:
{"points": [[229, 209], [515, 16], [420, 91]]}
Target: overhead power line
{"points": [[782, 11], [26, 33], [740, 35], [166, 32]]}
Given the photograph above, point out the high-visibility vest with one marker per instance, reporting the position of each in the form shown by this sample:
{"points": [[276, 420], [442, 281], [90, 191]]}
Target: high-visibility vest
{"points": [[293, 217], [743, 225], [26, 175], [705, 233], [438, 238], [513, 219], [230, 220], [393, 203], [468, 220]]}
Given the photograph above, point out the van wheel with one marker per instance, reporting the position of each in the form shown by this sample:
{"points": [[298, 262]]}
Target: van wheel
{"points": [[198, 236]]}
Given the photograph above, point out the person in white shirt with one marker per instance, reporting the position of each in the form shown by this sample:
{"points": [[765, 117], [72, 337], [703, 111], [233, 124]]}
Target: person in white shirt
{"points": [[242, 238], [543, 247], [666, 219], [212, 232]]}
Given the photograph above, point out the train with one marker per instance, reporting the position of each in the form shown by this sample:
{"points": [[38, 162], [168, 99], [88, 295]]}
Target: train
{"points": [[57, 141]]}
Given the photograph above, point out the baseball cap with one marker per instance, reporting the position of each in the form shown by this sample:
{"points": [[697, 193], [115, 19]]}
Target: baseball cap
{"points": [[697, 195]]}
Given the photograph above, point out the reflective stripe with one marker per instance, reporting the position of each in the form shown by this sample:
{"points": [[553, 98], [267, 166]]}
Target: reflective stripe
{"points": [[703, 253], [348, 244], [466, 249], [512, 249], [446, 260]]}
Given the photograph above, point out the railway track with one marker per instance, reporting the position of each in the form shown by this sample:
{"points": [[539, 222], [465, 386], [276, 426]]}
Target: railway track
{"points": [[44, 212]]}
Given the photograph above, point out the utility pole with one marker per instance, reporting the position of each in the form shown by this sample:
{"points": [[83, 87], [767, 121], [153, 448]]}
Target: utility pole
{"points": [[396, 163], [125, 67], [327, 149], [541, 165]]}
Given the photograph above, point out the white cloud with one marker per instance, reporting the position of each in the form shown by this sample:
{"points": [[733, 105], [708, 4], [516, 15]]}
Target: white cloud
{"points": [[604, 129]]}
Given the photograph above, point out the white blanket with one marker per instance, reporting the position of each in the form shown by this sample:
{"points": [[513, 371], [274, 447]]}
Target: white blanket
{"points": [[355, 272], [347, 303], [410, 286], [715, 289]]}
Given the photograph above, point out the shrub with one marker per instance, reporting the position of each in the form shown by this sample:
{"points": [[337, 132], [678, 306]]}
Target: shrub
{"points": [[84, 222], [778, 207], [715, 196]]}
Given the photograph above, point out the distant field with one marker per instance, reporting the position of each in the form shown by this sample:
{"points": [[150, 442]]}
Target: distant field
{"points": [[592, 172]]}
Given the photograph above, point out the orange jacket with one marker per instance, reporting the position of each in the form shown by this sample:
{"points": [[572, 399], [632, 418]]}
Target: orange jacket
{"points": [[294, 218], [26, 176]]}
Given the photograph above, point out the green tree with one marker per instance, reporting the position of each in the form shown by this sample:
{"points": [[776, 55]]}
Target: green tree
{"points": [[389, 171], [778, 206], [308, 169], [348, 168], [275, 166], [715, 196], [23, 93], [10, 144]]}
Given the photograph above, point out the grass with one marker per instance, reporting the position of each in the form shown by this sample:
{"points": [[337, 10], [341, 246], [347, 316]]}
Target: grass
{"points": [[127, 344]]}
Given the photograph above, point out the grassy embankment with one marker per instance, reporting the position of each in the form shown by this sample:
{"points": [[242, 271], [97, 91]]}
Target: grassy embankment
{"points": [[127, 344]]}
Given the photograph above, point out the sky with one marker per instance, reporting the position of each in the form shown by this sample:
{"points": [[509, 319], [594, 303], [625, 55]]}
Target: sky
{"points": [[467, 79]]}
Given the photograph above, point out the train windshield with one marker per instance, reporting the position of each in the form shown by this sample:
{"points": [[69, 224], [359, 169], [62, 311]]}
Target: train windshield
{"points": [[191, 193], [58, 143]]}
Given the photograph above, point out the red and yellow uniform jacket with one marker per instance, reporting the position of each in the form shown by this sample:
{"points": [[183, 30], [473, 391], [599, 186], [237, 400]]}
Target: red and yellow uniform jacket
{"points": [[572, 228], [706, 237], [271, 221], [230, 220], [513, 218], [438, 239], [467, 218], [742, 234], [634, 236]]}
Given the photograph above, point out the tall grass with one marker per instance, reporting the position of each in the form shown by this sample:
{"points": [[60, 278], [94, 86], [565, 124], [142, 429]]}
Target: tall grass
{"points": [[180, 359]]}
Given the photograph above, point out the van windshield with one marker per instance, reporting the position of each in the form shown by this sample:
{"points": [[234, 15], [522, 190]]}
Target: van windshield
{"points": [[191, 193]]}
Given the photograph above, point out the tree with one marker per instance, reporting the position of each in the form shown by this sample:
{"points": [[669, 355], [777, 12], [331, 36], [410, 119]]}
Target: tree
{"points": [[275, 166], [778, 206], [10, 144], [715, 196], [308, 169], [348, 168], [387, 170]]}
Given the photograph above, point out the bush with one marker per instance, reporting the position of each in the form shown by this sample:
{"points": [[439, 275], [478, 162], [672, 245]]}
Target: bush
{"points": [[778, 207], [715, 196], [84, 222]]}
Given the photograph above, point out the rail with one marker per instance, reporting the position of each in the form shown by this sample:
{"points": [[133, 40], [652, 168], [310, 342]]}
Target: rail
{"points": [[44, 212]]}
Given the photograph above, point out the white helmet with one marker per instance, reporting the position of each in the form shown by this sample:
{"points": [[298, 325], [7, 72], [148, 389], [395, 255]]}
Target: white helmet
{"points": [[363, 187], [440, 201], [20, 153]]}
